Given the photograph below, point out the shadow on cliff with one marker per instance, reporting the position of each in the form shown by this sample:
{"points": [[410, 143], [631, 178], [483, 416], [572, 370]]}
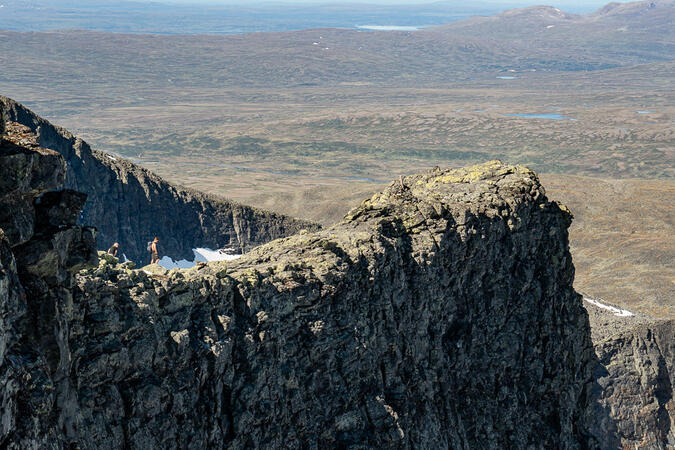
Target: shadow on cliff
{"points": [[469, 335], [130, 205]]}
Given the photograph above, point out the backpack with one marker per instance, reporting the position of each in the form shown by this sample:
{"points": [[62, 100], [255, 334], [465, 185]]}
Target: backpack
{"points": [[150, 246]]}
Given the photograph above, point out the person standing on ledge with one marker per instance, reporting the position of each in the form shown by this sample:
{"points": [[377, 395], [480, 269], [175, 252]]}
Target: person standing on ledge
{"points": [[113, 250], [154, 251]]}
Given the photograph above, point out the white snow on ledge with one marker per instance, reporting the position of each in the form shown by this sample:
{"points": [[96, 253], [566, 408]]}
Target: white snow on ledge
{"points": [[201, 255], [616, 311]]}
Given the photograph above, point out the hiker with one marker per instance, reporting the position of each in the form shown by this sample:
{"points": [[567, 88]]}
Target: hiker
{"points": [[113, 250], [154, 252]]}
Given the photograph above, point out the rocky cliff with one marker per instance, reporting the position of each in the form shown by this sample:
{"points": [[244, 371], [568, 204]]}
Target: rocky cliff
{"points": [[439, 313], [632, 403], [41, 247], [131, 205]]}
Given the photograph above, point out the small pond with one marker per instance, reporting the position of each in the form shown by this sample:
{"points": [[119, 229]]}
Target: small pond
{"points": [[542, 116]]}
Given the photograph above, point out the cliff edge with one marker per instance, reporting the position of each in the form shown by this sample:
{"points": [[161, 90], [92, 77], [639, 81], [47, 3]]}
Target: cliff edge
{"points": [[440, 314], [130, 205]]}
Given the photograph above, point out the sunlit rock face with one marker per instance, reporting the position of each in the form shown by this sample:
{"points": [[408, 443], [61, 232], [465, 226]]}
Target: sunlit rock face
{"points": [[439, 313]]}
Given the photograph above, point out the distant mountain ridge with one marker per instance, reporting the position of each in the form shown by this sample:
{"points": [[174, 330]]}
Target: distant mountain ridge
{"points": [[653, 16], [531, 39]]}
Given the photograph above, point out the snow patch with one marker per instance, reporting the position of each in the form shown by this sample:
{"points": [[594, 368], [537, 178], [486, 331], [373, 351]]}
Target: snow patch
{"points": [[550, 26], [111, 157], [616, 311], [208, 255], [388, 27], [169, 263], [202, 255]]}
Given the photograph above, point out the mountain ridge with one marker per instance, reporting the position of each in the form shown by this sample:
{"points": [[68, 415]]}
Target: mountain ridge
{"points": [[131, 205]]}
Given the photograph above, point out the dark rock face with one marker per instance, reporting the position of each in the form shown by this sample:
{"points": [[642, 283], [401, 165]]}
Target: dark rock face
{"points": [[632, 404], [26, 171], [12, 308], [438, 314], [131, 205], [42, 250]]}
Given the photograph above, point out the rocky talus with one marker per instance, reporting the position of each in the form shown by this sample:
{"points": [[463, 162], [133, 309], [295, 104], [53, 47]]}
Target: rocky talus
{"points": [[130, 205]]}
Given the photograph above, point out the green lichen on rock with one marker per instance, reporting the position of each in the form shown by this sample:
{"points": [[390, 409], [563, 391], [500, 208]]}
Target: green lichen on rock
{"points": [[439, 313], [384, 330]]}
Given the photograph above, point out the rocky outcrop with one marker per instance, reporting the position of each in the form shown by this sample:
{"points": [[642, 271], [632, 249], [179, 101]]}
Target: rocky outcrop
{"points": [[131, 205], [632, 403], [39, 253], [438, 314], [27, 170]]}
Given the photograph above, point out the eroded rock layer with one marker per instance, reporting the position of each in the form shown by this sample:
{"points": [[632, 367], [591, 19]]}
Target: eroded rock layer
{"points": [[131, 205]]}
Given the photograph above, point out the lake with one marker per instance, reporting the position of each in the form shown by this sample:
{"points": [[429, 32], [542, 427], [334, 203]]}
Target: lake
{"points": [[388, 27], [542, 116]]}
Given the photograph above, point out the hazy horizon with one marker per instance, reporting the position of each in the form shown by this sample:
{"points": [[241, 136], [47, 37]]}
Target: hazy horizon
{"points": [[506, 3]]}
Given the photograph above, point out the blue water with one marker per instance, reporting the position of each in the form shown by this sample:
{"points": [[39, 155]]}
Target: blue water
{"points": [[508, 78], [542, 116], [643, 112], [372, 180], [388, 27]]}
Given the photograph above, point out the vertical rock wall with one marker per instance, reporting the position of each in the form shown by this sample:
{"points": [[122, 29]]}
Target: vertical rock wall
{"points": [[438, 314], [40, 249], [632, 404], [131, 205]]}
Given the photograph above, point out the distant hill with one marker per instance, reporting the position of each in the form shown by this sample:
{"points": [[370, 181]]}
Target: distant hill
{"points": [[539, 39], [652, 19]]}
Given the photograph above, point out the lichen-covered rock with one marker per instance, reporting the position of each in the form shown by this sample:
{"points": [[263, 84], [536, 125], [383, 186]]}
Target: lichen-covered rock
{"points": [[130, 205], [439, 314]]}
